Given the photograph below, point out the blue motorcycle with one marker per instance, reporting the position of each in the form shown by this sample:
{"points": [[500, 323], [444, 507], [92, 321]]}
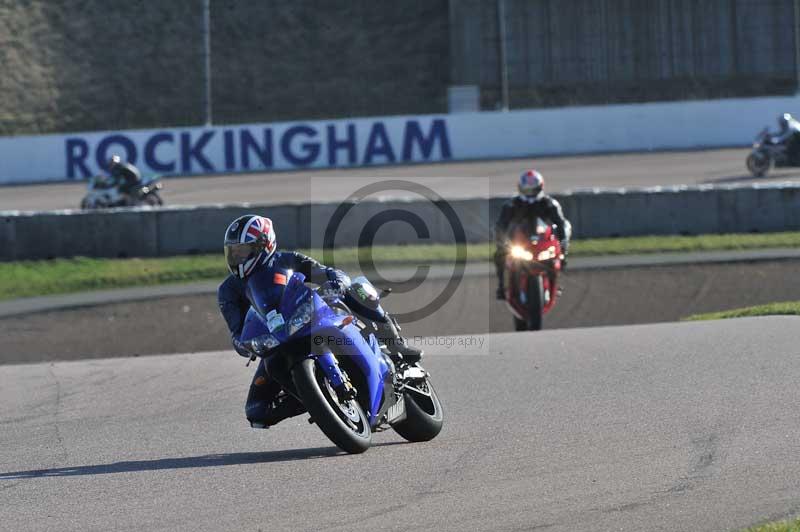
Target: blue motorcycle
{"points": [[321, 347]]}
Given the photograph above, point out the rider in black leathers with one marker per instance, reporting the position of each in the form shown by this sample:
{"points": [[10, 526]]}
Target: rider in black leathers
{"points": [[531, 203], [266, 405], [125, 176]]}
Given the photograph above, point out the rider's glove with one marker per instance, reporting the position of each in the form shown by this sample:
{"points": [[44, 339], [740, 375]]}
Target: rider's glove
{"points": [[332, 290], [337, 276], [241, 348], [337, 283]]}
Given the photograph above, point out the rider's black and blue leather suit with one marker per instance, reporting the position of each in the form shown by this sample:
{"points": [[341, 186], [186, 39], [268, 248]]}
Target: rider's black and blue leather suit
{"points": [[233, 302], [261, 407]]}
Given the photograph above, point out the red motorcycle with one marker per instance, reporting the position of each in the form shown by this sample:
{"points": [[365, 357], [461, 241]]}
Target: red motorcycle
{"points": [[533, 263]]}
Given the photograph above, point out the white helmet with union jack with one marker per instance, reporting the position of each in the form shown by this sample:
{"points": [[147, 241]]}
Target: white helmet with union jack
{"points": [[249, 241]]}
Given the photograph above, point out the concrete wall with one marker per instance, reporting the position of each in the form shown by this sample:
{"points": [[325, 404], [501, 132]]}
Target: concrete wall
{"points": [[603, 213], [80, 65], [87, 65], [290, 60], [612, 51]]}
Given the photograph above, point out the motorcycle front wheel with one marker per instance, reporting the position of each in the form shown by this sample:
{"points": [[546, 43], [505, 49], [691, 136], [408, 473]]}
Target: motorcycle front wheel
{"points": [[759, 164], [343, 422], [535, 303]]}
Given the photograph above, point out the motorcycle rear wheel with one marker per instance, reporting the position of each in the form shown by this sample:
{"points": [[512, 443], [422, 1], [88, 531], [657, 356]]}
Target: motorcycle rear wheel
{"points": [[345, 424], [424, 418]]}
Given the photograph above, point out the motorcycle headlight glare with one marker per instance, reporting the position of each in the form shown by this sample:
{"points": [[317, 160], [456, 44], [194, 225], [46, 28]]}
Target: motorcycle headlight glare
{"points": [[264, 343], [301, 317], [520, 253]]}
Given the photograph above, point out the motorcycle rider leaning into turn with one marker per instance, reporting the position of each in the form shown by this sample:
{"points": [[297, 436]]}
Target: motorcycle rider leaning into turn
{"points": [[250, 244], [531, 203], [123, 175]]}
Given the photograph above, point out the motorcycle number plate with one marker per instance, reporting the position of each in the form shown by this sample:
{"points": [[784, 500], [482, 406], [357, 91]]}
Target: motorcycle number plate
{"points": [[274, 320]]}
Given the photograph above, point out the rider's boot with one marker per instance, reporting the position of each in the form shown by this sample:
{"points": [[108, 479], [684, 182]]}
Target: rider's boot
{"points": [[398, 349], [264, 415], [501, 291], [501, 286], [267, 404], [499, 264]]}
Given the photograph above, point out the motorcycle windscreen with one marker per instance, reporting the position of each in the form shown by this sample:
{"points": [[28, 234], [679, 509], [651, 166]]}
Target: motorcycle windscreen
{"points": [[295, 293], [531, 229], [265, 288], [253, 327]]}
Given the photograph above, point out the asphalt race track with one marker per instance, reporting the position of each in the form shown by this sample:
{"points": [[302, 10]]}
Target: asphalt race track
{"points": [[687, 426], [494, 178], [666, 426]]}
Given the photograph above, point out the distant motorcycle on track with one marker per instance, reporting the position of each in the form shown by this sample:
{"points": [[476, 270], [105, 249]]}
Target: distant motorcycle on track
{"points": [[532, 266], [102, 194], [766, 155], [328, 358]]}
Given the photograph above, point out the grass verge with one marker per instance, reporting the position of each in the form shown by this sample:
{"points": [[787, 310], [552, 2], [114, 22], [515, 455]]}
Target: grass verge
{"points": [[666, 244], [34, 278], [786, 308], [779, 526]]}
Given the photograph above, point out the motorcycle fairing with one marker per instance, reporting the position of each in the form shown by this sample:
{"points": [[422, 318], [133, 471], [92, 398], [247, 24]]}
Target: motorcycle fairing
{"points": [[265, 295], [521, 273]]}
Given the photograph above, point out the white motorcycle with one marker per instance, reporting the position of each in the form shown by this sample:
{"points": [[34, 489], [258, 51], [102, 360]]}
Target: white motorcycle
{"points": [[103, 194]]}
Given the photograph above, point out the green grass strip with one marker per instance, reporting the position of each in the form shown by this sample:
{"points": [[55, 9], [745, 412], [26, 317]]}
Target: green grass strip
{"points": [[665, 244], [34, 278], [779, 526], [786, 308]]}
